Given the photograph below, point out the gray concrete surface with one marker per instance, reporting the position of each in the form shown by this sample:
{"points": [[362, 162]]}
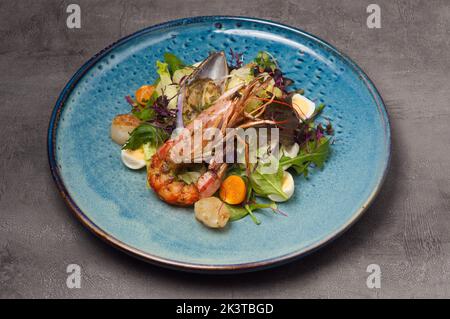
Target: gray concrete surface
{"points": [[406, 231]]}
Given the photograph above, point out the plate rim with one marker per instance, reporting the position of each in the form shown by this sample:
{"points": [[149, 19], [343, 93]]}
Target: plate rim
{"points": [[201, 267]]}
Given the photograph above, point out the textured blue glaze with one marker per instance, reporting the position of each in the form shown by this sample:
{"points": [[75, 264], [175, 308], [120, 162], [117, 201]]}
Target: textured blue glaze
{"points": [[116, 200]]}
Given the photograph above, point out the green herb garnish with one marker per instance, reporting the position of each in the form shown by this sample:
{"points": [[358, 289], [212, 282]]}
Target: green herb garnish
{"points": [[314, 152], [266, 184], [239, 212], [265, 61], [174, 63]]}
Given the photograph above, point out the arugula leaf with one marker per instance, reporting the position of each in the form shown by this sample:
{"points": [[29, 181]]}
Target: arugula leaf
{"points": [[144, 114], [319, 109], [145, 133], [252, 216], [239, 212], [315, 152], [173, 62], [236, 212], [266, 184]]}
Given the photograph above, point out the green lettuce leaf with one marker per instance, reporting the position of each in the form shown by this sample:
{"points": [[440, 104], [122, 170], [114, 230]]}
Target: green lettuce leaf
{"points": [[166, 86], [266, 184], [189, 177], [173, 62]]}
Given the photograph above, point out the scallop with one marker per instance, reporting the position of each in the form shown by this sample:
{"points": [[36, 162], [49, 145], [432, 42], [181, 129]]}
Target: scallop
{"points": [[212, 212], [121, 127]]}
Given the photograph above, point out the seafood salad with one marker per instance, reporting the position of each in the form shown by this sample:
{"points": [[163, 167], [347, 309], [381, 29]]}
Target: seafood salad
{"points": [[225, 137]]}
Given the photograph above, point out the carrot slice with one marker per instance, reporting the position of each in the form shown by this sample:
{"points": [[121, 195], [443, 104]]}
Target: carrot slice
{"points": [[144, 93], [233, 190]]}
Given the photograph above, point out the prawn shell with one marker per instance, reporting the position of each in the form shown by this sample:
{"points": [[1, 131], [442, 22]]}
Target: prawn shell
{"points": [[161, 179]]}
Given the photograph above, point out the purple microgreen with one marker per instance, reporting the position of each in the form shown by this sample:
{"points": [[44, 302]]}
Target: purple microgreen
{"points": [[319, 132], [279, 211], [329, 129], [236, 59]]}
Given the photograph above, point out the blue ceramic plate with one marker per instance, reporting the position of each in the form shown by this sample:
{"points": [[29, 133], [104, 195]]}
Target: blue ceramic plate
{"points": [[114, 202]]}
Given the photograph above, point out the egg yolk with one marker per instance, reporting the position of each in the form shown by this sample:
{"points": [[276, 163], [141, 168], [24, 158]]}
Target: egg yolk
{"points": [[137, 154]]}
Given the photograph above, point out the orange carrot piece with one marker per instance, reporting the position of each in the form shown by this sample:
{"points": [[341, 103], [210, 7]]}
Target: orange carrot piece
{"points": [[144, 93]]}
